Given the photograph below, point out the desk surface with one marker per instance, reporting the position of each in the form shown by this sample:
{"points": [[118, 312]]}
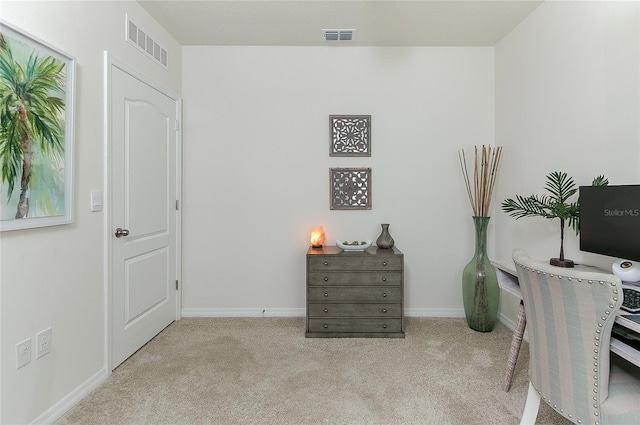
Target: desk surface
{"points": [[508, 281]]}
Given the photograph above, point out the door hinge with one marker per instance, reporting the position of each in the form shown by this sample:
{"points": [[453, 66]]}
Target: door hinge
{"points": [[176, 284], [176, 125], [177, 205]]}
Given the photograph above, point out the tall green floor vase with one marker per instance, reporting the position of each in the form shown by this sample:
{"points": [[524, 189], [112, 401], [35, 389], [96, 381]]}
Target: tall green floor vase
{"points": [[480, 291]]}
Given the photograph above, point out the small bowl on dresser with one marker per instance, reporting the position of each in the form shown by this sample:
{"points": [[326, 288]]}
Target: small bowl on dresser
{"points": [[351, 246]]}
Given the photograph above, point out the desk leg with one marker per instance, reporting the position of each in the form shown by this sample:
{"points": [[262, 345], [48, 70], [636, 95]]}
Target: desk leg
{"points": [[516, 342]]}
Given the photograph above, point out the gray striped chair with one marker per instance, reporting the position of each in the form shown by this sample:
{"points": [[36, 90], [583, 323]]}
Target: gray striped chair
{"points": [[570, 314]]}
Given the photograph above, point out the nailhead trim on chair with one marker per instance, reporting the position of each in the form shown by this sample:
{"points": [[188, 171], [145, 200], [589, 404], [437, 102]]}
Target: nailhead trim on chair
{"points": [[597, 338], [596, 343]]}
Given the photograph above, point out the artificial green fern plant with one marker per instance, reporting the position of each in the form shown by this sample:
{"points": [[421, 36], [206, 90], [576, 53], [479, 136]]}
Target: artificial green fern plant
{"points": [[553, 205]]}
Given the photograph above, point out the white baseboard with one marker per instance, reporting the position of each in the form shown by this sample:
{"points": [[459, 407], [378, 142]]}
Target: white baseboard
{"points": [[301, 312], [512, 325], [434, 312], [507, 321], [244, 312], [56, 411]]}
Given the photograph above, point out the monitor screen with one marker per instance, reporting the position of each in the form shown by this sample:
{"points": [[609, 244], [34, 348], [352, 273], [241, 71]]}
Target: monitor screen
{"points": [[610, 220]]}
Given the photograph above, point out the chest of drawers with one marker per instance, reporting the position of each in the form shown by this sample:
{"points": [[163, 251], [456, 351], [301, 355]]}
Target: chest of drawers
{"points": [[355, 293]]}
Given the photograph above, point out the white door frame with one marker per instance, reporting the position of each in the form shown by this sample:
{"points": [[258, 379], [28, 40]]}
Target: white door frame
{"points": [[109, 63]]}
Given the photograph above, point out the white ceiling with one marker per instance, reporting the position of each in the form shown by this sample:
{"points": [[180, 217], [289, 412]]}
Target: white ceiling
{"points": [[377, 22]]}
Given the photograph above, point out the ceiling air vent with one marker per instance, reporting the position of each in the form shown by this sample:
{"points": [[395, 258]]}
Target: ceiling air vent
{"points": [[146, 44], [339, 35]]}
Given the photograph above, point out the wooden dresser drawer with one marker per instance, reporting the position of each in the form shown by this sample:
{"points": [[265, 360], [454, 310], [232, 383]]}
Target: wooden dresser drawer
{"points": [[355, 325], [355, 278], [353, 263], [355, 293], [354, 310]]}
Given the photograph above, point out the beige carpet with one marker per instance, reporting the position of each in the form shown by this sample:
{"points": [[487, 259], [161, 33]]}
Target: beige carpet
{"points": [[264, 371]]}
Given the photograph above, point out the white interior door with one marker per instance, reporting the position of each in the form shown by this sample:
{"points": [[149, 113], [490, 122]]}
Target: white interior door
{"points": [[143, 188]]}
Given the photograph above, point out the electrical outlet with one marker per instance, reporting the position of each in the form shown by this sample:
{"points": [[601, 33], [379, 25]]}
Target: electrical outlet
{"points": [[23, 353], [43, 343]]}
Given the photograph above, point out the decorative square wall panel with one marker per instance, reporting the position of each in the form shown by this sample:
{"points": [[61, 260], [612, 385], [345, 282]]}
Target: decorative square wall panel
{"points": [[350, 188], [350, 135]]}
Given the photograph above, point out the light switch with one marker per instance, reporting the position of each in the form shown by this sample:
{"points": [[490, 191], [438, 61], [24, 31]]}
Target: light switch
{"points": [[96, 200]]}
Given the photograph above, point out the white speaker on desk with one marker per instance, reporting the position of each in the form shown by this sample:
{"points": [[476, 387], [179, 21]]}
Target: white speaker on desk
{"points": [[627, 271]]}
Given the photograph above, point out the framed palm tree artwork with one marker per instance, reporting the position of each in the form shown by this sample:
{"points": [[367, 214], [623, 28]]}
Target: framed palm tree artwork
{"points": [[36, 132]]}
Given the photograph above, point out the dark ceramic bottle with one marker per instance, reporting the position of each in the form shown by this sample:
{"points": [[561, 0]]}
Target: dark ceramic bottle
{"points": [[385, 240]]}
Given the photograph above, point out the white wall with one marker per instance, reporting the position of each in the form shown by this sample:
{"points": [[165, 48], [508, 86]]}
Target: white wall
{"points": [[256, 173], [256, 166], [567, 85], [53, 277]]}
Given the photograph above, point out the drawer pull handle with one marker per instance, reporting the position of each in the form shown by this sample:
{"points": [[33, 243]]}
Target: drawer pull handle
{"points": [[326, 263], [326, 294], [384, 310], [384, 294], [326, 279], [384, 263], [326, 326], [326, 310], [384, 326], [384, 279]]}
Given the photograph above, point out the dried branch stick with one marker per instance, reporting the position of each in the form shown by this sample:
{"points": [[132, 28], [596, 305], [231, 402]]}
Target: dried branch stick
{"points": [[485, 171], [465, 174]]}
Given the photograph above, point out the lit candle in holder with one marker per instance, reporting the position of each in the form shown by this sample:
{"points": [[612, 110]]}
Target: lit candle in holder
{"points": [[317, 237]]}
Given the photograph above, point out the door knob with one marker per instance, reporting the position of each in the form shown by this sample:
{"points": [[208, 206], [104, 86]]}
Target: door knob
{"points": [[121, 232]]}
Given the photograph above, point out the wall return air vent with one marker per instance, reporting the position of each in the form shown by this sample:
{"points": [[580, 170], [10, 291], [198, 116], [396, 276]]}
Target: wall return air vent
{"points": [[339, 35], [146, 44]]}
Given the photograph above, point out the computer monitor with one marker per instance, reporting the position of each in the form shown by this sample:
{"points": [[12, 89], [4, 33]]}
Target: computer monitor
{"points": [[610, 220]]}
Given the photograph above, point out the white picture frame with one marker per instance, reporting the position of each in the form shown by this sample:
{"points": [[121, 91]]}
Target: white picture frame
{"points": [[46, 127]]}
